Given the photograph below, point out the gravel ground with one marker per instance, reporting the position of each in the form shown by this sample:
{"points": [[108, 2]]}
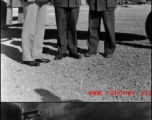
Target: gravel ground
{"points": [[71, 79]]}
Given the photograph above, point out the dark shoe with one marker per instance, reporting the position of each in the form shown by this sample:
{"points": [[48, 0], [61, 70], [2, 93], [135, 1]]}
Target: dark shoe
{"points": [[108, 55], [75, 55], [31, 63], [89, 54], [42, 60], [60, 56]]}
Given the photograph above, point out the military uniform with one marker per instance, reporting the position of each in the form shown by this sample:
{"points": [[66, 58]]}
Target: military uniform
{"points": [[101, 9], [67, 12]]}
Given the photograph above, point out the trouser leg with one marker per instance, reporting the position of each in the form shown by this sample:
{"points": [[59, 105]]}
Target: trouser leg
{"points": [[40, 29], [93, 32], [73, 14], [109, 23], [61, 20], [28, 31]]}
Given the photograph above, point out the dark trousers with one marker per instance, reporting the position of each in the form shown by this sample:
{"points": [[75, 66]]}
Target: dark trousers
{"points": [[66, 19], [94, 30]]}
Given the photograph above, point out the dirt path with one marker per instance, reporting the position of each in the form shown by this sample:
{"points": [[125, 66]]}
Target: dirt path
{"points": [[71, 79]]}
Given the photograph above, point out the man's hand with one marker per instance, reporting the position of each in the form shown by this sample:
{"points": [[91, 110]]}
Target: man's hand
{"points": [[30, 0]]}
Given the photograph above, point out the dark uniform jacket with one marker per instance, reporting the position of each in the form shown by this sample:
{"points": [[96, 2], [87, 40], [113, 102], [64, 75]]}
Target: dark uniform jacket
{"points": [[67, 3], [101, 5]]}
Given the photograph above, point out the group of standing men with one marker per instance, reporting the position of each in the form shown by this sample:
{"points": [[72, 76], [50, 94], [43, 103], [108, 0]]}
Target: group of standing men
{"points": [[66, 12]]}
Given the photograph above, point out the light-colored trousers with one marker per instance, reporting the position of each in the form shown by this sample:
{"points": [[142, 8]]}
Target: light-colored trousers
{"points": [[33, 30]]}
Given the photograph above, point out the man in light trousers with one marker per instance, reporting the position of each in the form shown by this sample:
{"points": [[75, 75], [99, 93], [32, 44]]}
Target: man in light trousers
{"points": [[33, 31]]}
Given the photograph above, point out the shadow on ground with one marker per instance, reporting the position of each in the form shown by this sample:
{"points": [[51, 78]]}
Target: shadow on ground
{"points": [[134, 45], [47, 96], [82, 35], [11, 52], [14, 31]]}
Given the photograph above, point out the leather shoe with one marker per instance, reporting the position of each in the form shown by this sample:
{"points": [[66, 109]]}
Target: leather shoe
{"points": [[60, 56], [75, 55], [42, 60], [89, 54], [31, 63], [108, 55]]}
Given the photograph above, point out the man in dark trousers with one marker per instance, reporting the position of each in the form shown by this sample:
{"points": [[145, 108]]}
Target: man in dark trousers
{"points": [[101, 9], [67, 12]]}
